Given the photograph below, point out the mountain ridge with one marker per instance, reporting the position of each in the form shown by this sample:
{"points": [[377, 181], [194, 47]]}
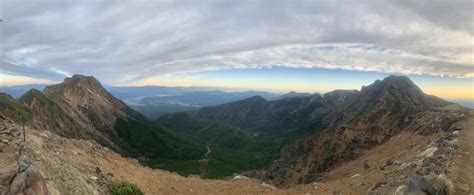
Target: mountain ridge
{"points": [[364, 118], [290, 131], [82, 108]]}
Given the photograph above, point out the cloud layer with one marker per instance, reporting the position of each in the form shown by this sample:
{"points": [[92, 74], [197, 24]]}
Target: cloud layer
{"points": [[129, 41]]}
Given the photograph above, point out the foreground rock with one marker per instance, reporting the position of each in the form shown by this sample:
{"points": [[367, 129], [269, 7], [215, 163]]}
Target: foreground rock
{"points": [[13, 178]]}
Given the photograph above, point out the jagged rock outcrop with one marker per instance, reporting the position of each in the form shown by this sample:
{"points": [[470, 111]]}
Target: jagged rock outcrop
{"points": [[94, 109], [49, 115], [81, 108], [371, 117], [395, 95], [86, 96], [338, 125]]}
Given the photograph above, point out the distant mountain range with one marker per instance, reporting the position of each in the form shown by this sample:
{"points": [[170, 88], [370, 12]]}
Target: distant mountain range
{"points": [[18, 90], [161, 96], [289, 139], [155, 101]]}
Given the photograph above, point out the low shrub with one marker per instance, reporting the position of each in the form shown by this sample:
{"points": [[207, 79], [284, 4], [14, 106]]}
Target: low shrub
{"points": [[123, 188]]}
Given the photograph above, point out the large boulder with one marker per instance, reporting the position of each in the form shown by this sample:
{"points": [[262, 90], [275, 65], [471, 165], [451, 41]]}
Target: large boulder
{"points": [[429, 184], [29, 181]]}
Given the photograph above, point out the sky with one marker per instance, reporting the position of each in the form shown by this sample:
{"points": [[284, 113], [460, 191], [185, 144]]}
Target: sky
{"points": [[308, 45]]}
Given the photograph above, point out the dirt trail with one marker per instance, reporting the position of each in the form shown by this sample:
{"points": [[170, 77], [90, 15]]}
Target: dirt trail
{"points": [[208, 151], [462, 170]]}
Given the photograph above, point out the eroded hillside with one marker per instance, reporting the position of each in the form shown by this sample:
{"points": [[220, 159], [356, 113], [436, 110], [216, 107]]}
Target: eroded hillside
{"points": [[84, 167]]}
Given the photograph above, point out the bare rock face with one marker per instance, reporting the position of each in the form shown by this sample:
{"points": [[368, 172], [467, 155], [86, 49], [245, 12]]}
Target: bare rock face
{"points": [[340, 124], [48, 115], [80, 107], [370, 118], [86, 95]]}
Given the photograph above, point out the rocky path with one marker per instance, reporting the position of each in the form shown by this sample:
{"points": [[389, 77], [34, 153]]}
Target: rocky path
{"points": [[8, 155], [462, 170], [17, 172]]}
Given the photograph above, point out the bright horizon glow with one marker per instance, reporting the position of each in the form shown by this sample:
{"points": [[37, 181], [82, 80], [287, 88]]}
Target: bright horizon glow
{"points": [[12, 80], [309, 80]]}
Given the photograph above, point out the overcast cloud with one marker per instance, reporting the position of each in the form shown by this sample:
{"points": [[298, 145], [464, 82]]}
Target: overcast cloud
{"points": [[128, 41]]}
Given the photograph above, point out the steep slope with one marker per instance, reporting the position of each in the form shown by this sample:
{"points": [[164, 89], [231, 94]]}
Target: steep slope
{"points": [[85, 98], [379, 112], [115, 124], [48, 115], [81, 108], [310, 113], [318, 112], [337, 126], [244, 113], [13, 109]]}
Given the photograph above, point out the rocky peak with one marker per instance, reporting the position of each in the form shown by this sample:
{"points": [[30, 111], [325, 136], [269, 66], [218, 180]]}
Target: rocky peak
{"points": [[395, 90], [393, 82], [83, 91], [77, 85], [88, 99]]}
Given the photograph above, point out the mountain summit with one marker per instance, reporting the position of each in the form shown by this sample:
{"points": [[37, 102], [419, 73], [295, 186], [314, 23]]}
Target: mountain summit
{"points": [[85, 97], [333, 127], [81, 108]]}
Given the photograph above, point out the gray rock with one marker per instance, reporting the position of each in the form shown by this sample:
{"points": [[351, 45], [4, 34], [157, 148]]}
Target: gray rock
{"points": [[366, 164], [423, 185], [417, 185]]}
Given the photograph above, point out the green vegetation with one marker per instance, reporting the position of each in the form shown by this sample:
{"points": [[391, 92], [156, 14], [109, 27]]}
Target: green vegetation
{"points": [[13, 109], [54, 111], [155, 111], [153, 141], [232, 150], [123, 188], [175, 142], [40, 98]]}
